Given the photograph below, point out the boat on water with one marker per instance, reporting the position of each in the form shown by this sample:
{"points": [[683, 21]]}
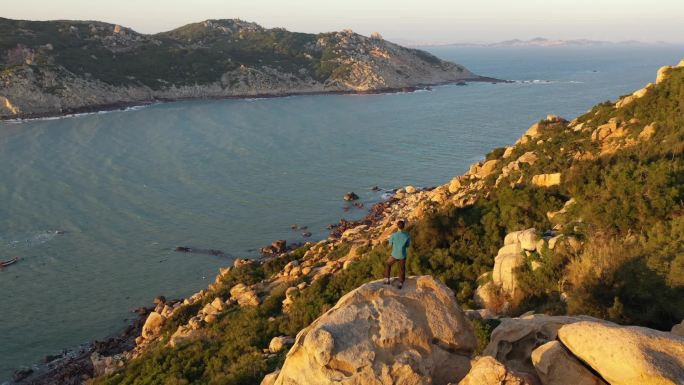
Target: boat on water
{"points": [[8, 262]]}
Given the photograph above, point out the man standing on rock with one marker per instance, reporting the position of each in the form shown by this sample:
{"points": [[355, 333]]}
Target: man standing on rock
{"points": [[399, 242]]}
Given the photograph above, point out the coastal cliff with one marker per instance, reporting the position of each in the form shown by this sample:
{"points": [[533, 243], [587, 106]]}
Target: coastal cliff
{"points": [[536, 266], [59, 67]]}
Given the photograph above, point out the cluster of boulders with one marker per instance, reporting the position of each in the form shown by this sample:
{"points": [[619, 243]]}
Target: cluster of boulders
{"points": [[583, 350], [499, 290], [378, 334]]}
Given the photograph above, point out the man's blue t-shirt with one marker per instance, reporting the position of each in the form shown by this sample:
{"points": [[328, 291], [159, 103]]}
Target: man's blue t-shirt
{"points": [[400, 242]]}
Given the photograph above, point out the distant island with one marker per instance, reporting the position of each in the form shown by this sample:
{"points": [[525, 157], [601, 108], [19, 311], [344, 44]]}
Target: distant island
{"points": [[61, 67], [535, 42]]}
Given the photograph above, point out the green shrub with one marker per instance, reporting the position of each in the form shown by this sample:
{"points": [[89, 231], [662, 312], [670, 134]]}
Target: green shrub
{"points": [[483, 332]]}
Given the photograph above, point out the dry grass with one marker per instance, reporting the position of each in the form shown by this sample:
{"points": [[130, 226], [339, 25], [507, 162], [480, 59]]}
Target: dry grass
{"points": [[600, 257]]}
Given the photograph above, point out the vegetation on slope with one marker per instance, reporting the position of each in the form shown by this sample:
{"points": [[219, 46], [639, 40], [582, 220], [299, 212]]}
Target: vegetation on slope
{"points": [[198, 53], [628, 213]]}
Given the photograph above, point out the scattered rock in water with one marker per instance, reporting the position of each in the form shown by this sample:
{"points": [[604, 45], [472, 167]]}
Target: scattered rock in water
{"points": [[375, 188], [187, 249], [22, 374], [350, 196], [306, 234], [279, 246], [159, 299], [358, 205], [51, 357]]}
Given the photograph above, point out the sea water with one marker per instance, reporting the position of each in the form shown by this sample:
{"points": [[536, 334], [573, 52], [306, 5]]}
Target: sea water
{"points": [[94, 205]]}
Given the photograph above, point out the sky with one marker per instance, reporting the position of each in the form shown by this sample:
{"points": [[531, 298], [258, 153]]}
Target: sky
{"points": [[406, 21]]}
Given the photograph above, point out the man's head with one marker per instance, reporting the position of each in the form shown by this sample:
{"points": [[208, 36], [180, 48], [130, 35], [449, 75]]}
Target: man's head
{"points": [[401, 224]]}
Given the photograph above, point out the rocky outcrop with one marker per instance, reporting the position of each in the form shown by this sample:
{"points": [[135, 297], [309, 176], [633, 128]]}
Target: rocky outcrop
{"points": [[625, 355], [546, 180], [514, 340], [504, 282], [379, 334], [488, 371], [634, 96], [678, 329], [556, 366]]}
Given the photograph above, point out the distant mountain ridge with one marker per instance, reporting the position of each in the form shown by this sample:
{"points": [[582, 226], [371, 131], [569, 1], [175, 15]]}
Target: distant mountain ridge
{"points": [[56, 67], [536, 42]]}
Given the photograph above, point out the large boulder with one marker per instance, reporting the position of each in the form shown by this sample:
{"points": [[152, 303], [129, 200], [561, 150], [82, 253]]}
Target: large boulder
{"points": [[488, 371], [625, 355], [152, 325], [244, 295], [528, 239], [555, 366], [279, 343], [381, 335], [513, 341], [503, 274], [488, 167]]}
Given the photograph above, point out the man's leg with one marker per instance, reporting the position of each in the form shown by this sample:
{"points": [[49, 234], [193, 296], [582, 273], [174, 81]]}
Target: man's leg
{"points": [[388, 269], [402, 272]]}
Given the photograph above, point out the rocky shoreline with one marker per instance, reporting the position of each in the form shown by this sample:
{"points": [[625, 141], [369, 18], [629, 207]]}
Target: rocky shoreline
{"points": [[122, 106], [76, 365]]}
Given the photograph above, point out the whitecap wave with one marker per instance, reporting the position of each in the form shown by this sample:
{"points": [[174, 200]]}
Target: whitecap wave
{"points": [[29, 240], [543, 81], [68, 116]]}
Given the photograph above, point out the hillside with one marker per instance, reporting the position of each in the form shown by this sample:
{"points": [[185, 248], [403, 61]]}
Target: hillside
{"points": [[57, 67], [580, 220]]}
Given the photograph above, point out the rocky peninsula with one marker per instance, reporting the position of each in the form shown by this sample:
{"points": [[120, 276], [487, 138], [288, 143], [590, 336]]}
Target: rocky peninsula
{"points": [[60, 67], [556, 260]]}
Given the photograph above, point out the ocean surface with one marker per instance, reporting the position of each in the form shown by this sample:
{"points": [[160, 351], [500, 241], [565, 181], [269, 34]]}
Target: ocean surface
{"points": [[126, 188]]}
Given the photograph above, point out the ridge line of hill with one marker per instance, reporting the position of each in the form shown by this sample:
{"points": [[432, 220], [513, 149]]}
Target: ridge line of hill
{"points": [[51, 68]]}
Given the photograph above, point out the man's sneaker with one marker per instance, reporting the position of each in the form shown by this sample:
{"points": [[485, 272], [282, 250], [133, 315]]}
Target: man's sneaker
{"points": [[400, 285]]}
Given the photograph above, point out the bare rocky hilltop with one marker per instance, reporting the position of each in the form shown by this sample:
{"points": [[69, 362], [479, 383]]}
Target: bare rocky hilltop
{"points": [[60, 67]]}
